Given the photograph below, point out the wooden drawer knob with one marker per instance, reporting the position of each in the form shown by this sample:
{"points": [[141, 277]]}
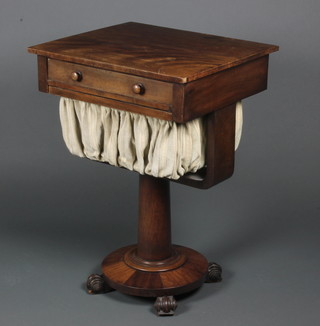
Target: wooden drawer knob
{"points": [[76, 76], [138, 88]]}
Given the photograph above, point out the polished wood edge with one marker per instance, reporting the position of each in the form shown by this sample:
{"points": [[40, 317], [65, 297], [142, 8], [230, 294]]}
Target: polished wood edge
{"points": [[156, 76], [160, 114], [42, 73], [131, 290], [111, 67], [266, 49]]}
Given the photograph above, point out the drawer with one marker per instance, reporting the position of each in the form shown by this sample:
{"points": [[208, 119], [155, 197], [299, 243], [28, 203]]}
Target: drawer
{"points": [[109, 84]]}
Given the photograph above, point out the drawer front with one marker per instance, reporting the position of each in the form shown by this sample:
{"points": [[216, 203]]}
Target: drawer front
{"points": [[118, 86]]}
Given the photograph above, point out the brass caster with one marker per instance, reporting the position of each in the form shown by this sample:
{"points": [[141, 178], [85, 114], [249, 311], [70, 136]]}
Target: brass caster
{"points": [[96, 284], [165, 306], [214, 273]]}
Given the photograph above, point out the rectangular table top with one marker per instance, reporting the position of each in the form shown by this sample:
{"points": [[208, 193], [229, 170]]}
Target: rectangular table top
{"points": [[154, 52]]}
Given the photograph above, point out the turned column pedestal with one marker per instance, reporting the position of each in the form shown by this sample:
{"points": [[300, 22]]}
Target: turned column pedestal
{"points": [[154, 267]]}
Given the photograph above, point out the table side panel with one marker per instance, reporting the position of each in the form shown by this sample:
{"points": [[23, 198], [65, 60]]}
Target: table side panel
{"points": [[222, 89]]}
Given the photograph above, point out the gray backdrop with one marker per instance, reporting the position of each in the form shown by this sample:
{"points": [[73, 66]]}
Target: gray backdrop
{"points": [[60, 215]]}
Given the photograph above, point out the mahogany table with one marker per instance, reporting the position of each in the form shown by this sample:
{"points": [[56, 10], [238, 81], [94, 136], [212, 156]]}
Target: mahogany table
{"points": [[172, 75]]}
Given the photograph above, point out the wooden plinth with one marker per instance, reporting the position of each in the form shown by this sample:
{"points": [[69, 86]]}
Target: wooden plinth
{"points": [[130, 280], [154, 267]]}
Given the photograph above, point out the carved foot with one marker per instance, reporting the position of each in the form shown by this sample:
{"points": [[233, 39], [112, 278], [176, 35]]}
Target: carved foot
{"points": [[96, 284], [165, 306], [214, 273]]}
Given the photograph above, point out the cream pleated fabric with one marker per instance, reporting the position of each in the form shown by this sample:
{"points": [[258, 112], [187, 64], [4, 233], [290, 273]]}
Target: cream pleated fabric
{"points": [[239, 123], [137, 142]]}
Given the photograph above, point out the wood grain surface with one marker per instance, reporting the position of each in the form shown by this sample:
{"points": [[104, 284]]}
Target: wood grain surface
{"points": [[155, 52], [154, 237], [42, 73], [110, 84], [129, 280]]}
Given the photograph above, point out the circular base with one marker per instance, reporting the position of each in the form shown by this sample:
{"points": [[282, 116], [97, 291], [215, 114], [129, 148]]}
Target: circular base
{"points": [[131, 280]]}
